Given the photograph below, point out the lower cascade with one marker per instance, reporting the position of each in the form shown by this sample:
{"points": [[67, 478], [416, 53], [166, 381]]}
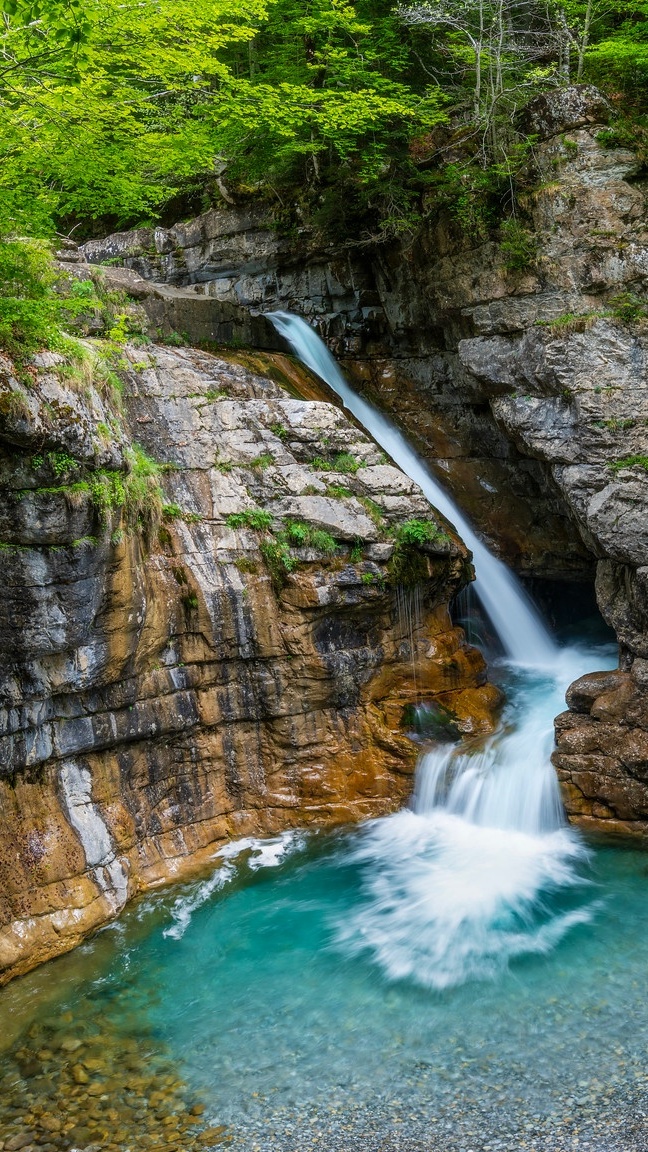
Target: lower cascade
{"points": [[482, 868]]}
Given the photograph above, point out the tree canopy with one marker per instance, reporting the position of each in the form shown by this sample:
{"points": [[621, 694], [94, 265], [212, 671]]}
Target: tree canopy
{"points": [[115, 111]]}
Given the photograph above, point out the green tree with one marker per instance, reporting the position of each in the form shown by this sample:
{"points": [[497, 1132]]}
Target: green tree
{"points": [[156, 97]]}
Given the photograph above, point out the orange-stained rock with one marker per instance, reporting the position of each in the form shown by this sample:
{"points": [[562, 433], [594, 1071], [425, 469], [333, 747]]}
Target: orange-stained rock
{"points": [[602, 752], [160, 697]]}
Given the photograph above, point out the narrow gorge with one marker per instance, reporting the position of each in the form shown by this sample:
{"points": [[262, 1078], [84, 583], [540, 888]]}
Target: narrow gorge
{"points": [[324, 698]]}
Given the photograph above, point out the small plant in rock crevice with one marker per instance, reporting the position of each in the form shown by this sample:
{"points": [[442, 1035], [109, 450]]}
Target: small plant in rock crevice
{"points": [[263, 461], [256, 518], [136, 493], [302, 535], [628, 307], [518, 246], [343, 462], [278, 560], [636, 461], [409, 565]]}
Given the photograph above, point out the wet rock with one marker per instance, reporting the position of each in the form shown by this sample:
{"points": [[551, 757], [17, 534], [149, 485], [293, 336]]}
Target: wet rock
{"points": [[582, 694]]}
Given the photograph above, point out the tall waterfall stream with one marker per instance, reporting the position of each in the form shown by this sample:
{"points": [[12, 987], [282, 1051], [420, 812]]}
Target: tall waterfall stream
{"points": [[467, 975], [456, 886]]}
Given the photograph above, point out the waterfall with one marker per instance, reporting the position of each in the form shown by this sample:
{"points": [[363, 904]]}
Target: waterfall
{"points": [[481, 868], [513, 615]]}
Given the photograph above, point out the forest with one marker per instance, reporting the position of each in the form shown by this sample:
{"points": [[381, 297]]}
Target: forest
{"points": [[114, 112]]}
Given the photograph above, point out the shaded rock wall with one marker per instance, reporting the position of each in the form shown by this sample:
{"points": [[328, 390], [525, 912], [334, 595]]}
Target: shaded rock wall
{"points": [[166, 688]]}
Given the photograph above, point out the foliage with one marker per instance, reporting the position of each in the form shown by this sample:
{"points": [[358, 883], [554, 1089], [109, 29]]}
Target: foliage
{"points": [[418, 532], [518, 246], [279, 561], [629, 462], [30, 309], [256, 518], [135, 493], [343, 462], [353, 115], [111, 110], [245, 564], [303, 535], [628, 307], [570, 322], [263, 461], [173, 511], [408, 565], [373, 510]]}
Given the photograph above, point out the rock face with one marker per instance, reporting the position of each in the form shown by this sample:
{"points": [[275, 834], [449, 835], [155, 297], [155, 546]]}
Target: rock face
{"points": [[235, 667], [524, 387], [602, 755]]}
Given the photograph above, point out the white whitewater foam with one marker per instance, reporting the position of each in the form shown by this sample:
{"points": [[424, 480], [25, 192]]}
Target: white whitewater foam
{"points": [[514, 616], [464, 882], [259, 853], [447, 901]]}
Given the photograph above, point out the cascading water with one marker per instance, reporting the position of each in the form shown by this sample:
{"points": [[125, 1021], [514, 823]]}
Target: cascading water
{"points": [[458, 884], [518, 624]]}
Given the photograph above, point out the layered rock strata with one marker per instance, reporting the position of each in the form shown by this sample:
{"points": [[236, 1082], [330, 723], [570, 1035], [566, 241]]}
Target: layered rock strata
{"points": [[602, 756], [238, 667], [525, 386]]}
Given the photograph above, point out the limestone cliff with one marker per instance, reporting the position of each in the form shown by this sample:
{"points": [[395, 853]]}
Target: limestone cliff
{"points": [[524, 387], [199, 628]]}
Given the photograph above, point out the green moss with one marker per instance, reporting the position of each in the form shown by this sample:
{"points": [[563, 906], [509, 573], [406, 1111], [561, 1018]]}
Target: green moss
{"points": [[629, 462], [245, 564], [343, 462], [432, 720], [408, 564], [336, 491], [374, 510], [280, 430], [174, 339], [175, 512], [617, 425], [302, 535]]}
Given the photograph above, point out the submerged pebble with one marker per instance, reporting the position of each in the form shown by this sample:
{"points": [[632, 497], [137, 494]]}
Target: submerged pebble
{"points": [[104, 1091]]}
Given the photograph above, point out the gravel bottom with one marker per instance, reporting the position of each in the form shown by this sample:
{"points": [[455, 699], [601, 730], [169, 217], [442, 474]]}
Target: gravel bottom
{"points": [[618, 1124]]}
